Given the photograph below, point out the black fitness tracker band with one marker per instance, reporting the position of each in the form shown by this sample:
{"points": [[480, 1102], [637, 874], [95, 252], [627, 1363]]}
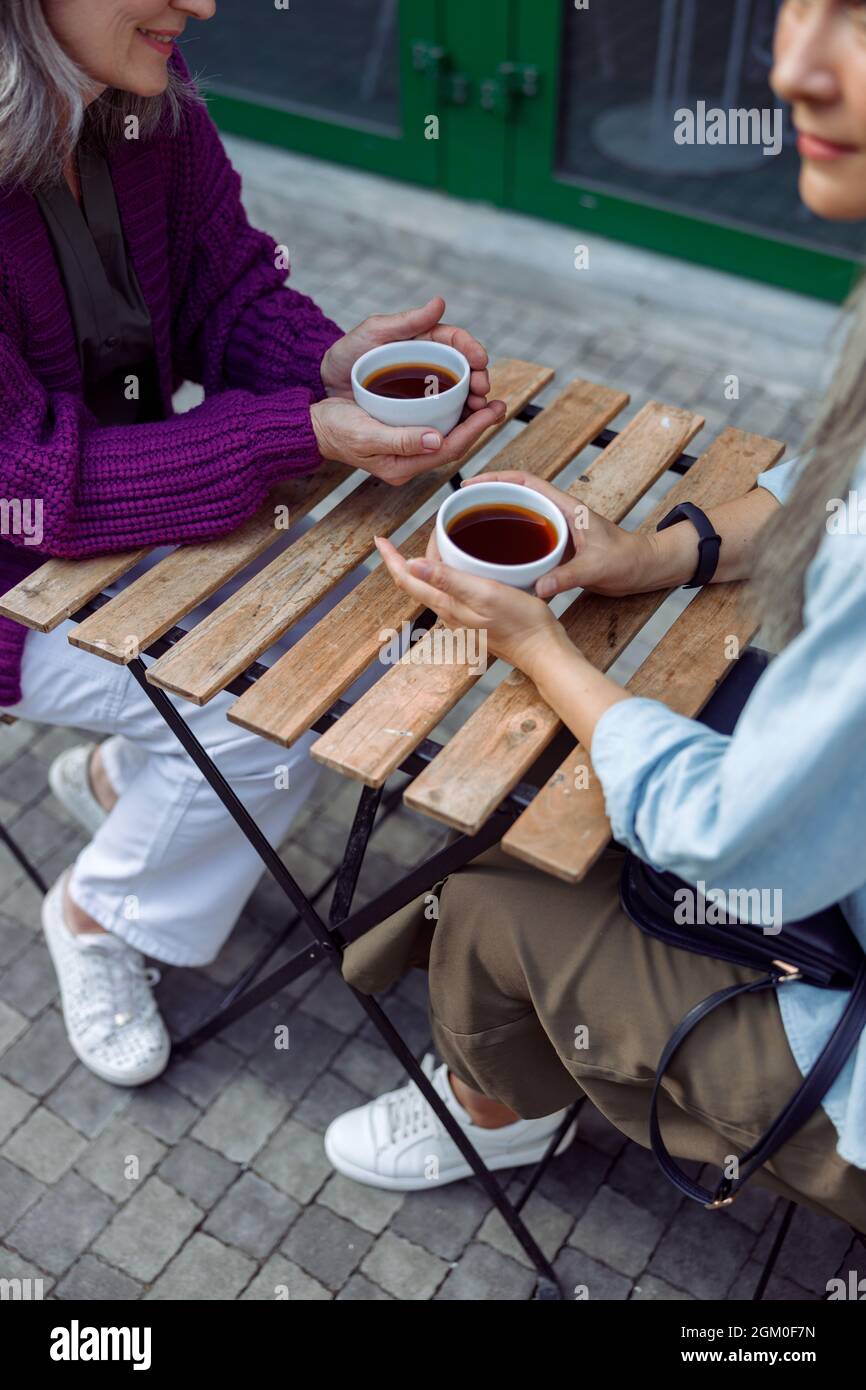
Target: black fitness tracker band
{"points": [[709, 544]]}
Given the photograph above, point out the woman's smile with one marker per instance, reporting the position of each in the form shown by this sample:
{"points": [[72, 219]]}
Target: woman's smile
{"points": [[161, 40], [812, 146]]}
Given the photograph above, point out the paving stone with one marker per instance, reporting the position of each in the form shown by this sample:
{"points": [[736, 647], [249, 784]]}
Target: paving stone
{"points": [[22, 903], [121, 1159], [650, 1289], [61, 1226], [13, 1267], [198, 1172], [160, 1109], [44, 1146], [94, 1282], [486, 1275], [813, 1248], [360, 1290], [201, 1075], [699, 1258], [573, 1178], [411, 1023], [24, 779], [204, 1269], [38, 1060], [15, 1104], [778, 1290], [12, 1025], [408, 1271], [279, 1279], [311, 1047], [147, 1232], [637, 1175], [40, 834], [185, 998], [584, 1279], [86, 1101], [548, 1225], [18, 1192], [333, 1004], [241, 1119], [615, 1231], [14, 938], [327, 1097], [253, 1216], [30, 983], [294, 1161], [371, 1068], [442, 1220], [326, 1246], [256, 1030], [595, 1129], [371, 1208]]}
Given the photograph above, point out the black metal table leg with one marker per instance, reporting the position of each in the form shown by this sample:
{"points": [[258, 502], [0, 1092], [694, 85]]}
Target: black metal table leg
{"points": [[18, 854], [328, 944]]}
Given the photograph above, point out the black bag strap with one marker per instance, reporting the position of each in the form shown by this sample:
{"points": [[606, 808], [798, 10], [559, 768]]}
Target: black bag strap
{"points": [[792, 1117]]}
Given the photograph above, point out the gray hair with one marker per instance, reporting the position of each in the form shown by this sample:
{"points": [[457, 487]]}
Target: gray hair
{"points": [[43, 107], [833, 450]]}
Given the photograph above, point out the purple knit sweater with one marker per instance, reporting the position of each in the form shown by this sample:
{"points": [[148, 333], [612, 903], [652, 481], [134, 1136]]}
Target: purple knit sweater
{"points": [[221, 316]]}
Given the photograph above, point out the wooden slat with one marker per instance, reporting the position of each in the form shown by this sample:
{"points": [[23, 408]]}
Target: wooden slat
{"points": [[171, 589], [392, 718], [306, 681], [249, 622], [565, 828], [504, 736], [58, 588]]}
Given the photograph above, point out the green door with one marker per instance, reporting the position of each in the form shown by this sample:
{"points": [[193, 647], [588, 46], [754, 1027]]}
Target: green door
{"points": [[346, 80], [563, 109]]}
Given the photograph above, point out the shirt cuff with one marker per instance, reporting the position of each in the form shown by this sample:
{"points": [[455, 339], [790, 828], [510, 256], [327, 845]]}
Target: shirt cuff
{"points": [[782, 479]]}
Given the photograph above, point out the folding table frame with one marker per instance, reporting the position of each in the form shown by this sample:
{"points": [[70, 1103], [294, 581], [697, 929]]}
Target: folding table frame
{"points": [[344, 925]]}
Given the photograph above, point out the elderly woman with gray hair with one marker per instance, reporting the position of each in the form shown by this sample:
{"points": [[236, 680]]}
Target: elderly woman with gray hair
{"points": [[127, 266]]}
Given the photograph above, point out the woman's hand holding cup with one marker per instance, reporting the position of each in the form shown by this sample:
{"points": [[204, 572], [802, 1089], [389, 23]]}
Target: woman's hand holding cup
{"points": [[397, 447], [601, 556]]}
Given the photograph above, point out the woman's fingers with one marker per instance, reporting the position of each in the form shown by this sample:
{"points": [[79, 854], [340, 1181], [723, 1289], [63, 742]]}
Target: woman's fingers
{"points": [[470, 430], [409, 323], [447, 591], [459, 338], [558, 581]]}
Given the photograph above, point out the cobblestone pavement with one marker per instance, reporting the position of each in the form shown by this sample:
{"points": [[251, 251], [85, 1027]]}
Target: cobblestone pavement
{"points": [[234, 1195]]}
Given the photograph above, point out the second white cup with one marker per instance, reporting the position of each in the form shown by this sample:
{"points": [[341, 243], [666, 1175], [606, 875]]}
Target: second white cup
{"points": [[492, 494]]}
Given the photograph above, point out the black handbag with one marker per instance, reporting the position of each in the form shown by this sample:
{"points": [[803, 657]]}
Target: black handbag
{"points": [[819, 950]]}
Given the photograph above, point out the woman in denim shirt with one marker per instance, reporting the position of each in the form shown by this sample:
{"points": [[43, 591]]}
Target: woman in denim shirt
{"points": [[540, 990]]}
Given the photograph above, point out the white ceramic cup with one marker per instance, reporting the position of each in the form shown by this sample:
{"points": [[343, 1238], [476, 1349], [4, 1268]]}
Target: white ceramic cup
{"points": [[440, 412], [493, 494]]}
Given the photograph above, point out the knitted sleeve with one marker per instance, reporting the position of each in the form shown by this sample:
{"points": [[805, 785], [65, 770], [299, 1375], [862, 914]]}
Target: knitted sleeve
{"points": [[236, 322], [94, 488]]}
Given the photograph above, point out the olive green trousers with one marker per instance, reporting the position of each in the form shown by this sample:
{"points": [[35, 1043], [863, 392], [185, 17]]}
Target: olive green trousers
{"points": [[541, 990]]}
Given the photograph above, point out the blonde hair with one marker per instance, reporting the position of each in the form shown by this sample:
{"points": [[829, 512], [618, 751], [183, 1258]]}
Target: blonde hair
{"points": [[832, 450]]}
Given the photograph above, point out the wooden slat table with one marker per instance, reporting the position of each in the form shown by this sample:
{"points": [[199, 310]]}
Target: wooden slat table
{"points": [[564, 828], [473, 784]]}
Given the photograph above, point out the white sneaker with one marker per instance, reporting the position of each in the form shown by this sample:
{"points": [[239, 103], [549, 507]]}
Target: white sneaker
{"points": [[397, 1141], [69, 779], [111, 1017]]}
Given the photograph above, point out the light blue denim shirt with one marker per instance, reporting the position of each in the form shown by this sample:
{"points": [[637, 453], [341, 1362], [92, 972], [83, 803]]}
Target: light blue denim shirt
{"points": [[778, 805]]}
